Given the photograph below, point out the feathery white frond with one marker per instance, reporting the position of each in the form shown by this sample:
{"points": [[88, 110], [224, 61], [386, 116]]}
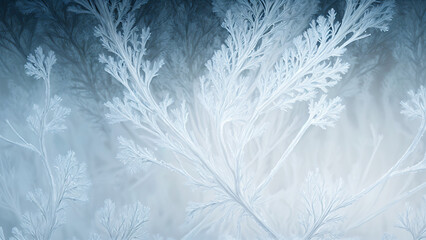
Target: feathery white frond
{"points": [[414, 220], [126, 223], [415, 106], [324, 113]]}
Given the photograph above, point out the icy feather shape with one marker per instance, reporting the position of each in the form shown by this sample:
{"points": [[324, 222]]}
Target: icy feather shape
{"points": [[134, 156], [322, 203], [414, 220], [72, 179], [125, 223], [40, 65], [67, 177], [57, 115], [415, 107], [243, 84], [325, 113]]}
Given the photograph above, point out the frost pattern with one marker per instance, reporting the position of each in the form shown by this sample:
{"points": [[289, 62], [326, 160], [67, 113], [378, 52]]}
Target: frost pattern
{"points": [[237, 94], [414, 221], [325, 113], [67, 178], [416, 105], [122, 224], [322, 203]]}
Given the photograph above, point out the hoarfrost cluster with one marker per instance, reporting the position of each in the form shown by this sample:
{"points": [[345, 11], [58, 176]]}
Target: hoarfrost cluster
{"points": [[279, 123]]}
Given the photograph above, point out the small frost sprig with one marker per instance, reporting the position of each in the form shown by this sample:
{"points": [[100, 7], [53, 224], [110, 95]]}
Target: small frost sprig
{"points": [[134, 156], [67, 177], [415, 107], [125, 223], [322, 203], [39, 66], [414, 220], [325, 113]]}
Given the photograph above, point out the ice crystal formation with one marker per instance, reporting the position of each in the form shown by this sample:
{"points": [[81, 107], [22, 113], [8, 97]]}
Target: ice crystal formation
{"points": [[246, 119]]}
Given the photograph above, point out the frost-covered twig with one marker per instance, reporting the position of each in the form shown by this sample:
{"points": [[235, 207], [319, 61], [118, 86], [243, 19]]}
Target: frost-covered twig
{"points": [[414, 221], [245, 81], [67, 177], [321, 206], [323, 114], [125, 223], [309, 67]]}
